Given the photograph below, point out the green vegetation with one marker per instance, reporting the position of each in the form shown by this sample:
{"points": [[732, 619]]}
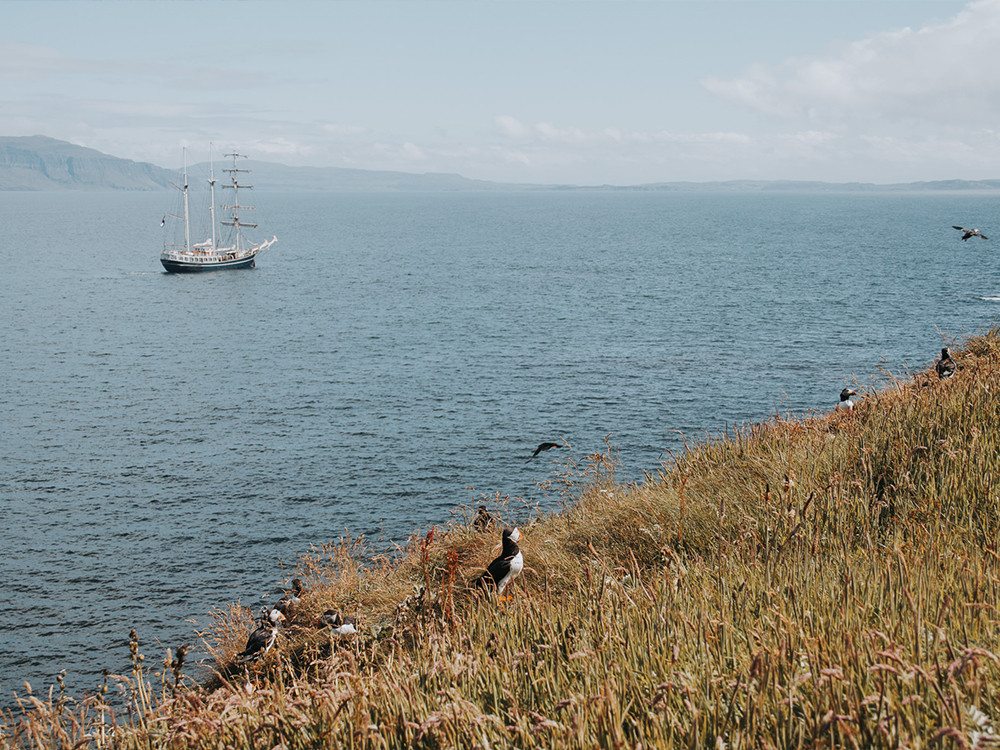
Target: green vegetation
{"points": [[824, 581]]}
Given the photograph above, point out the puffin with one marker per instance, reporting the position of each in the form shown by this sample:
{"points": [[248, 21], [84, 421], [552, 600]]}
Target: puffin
{"points": [[506, 567], [966, 233], [287, 604], [483, 519], [261, 641], [275, 615], [946, 365], [845, 400], [338, 625], [543, 447]]}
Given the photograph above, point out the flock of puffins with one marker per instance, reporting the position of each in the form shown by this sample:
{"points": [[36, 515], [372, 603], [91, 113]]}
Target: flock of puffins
{"points": [[498, 574], [504, 569], [945, 368]]}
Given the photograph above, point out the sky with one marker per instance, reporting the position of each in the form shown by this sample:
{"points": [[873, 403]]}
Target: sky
{"points": [[583, 92]]}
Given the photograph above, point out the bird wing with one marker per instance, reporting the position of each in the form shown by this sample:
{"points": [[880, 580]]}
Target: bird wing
{"points": [[945, 368], [544, 447], [485, 580], [495, 571], [498, 568], [256, 641], [960, 229]]}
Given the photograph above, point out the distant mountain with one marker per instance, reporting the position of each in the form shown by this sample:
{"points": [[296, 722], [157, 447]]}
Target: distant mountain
{"points": [[271, 176], [41, 163], [800, 186]]}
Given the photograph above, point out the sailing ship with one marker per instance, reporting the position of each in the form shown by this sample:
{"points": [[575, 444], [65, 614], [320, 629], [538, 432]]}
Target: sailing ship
{"points": [[207, 255]]}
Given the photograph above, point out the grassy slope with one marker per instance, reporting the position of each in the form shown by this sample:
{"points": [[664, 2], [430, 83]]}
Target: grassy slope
{"points": [[828, 580]]}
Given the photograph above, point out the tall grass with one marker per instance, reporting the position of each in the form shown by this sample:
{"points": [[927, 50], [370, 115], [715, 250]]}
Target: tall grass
{"points": [[823, 581]]}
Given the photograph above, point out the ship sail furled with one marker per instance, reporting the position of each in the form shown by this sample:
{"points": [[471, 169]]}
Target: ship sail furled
{"points": [[207, 256]]}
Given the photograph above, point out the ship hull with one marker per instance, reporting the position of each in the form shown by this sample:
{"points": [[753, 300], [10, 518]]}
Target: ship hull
{"points": [[183, 266]]}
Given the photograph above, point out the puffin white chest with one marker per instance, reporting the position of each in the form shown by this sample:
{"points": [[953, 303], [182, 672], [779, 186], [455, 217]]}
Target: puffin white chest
{"points": [[514, 567]]}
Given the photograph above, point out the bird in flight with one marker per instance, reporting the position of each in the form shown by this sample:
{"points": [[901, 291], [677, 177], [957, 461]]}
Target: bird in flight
{"points": [[543, 447], [970, 233]]}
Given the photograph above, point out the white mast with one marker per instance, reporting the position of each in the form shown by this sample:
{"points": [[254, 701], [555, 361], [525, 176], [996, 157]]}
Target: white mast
{"points": [[187, 226], [211, 184], [235, 208]]}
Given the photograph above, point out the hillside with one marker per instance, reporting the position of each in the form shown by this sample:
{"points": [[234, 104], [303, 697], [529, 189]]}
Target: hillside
{"points": [[279, 177], [41, 163], [825, 581]]}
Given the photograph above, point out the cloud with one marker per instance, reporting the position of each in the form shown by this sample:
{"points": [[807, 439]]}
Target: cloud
{"points": [[29, 62], [942, 74], [620, 155], [608, 137], [341, 130], [511, 126], [402, 152]]}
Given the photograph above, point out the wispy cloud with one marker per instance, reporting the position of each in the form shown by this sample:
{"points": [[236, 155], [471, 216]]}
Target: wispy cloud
{"points": [[907, 103], [29, 62], [942, 73]]}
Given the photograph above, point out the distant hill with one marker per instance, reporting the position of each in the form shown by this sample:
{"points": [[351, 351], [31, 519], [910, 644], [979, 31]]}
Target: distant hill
{"points": [[799, 186], [41, 163], [279, 177]]}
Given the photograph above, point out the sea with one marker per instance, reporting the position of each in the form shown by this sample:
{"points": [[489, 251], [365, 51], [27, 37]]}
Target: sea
{"points": [[171, 444]]}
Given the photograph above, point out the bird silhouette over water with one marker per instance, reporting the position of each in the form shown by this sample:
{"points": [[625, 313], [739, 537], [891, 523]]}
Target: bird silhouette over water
{"points": [[970, 233], [946, 365], [543, 447]]}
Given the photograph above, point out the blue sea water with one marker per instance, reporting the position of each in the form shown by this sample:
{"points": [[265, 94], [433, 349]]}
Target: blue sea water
{"points": [[169, 442]]}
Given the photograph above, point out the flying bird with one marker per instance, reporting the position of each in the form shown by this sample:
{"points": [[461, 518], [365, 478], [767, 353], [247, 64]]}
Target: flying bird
{"points": [[543, 447], [845, 400], [946, 365], [506, 567], [970, 233]]}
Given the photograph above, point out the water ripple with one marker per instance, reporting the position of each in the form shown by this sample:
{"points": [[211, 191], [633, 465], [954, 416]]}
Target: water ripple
{"points": [[168, 441]]}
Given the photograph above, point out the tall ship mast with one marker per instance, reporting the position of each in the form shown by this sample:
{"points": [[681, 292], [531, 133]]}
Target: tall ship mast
{"points": [[207, 255]]}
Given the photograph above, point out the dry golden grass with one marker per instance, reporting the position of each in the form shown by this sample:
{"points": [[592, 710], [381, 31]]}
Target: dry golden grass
{"points": [[824, 581]]}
